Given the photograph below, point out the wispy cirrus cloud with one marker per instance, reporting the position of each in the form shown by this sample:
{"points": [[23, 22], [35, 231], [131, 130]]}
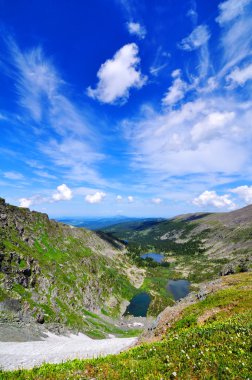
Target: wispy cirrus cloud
{"points": [[236, 27], [156, 201], [205, 121], [118, 75], [239, 76], [13, 175], [231, 9], [198, 37], [63, 131]]}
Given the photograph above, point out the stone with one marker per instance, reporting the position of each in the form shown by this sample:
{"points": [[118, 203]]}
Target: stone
{"points": [[27, 272], [40, 318]]}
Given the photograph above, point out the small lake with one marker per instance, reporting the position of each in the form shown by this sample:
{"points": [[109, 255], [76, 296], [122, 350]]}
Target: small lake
{"points": [[157, 257], [178, 288], [139, 305]]}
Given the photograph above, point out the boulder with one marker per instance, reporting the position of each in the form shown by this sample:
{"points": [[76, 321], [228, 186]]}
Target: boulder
{"points": [[40, 318]]}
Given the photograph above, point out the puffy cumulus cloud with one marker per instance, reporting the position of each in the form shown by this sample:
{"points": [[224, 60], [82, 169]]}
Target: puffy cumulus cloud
{"points": [[156, 201], [244, 192], [211, 125], [130, 199], [13, 175], [231, 9], [63, 193], [119, 198], [238, 77], [95, 198], [176, 91], [136, 29], [117, 75], [199, 36], [211, 198]]}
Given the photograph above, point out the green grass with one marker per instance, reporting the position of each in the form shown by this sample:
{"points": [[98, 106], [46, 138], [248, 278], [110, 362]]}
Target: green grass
{"points": [[155, 283], [217, 348]]}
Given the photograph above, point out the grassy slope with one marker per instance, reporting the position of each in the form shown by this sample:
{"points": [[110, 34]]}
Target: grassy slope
{"points": [[211, 340], [200, 243], [62, 261]]}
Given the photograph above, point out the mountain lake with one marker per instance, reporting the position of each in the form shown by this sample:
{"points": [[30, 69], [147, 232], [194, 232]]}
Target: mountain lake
{"points": [[139, 305], [178, 288], [158, 257]]}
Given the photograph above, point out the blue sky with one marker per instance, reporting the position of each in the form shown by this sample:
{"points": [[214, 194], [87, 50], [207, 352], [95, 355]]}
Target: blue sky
{"points": [[139, 108]]}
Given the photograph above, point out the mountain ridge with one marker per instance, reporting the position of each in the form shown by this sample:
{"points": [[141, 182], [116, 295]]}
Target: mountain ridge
{"points": [[52, 272]]}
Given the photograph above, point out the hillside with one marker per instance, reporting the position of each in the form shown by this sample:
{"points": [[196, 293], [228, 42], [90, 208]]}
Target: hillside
{"points": [[54, 273], [202, 339], [198, 246]]}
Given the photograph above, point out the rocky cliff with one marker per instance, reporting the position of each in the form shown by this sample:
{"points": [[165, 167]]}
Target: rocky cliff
{"points": [[51, 272]]}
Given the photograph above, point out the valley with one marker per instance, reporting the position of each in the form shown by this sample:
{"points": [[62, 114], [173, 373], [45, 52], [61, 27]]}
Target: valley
{"points": [[137, 278]]}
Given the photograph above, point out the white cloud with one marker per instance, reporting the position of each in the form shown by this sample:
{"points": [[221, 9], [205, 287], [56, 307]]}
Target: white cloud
{"points": [[130, 199], [244, 192], [211, 198], [118, 75], [34, 164], [236, 37], [199, 137], [76, 156], [119, 198], [199, 36], [44, 174], [176, 91], [136, 29], [231, 9], [161, 59], [211, 126], [95, 198], [34, 200], [25, 202], [13, 175], [239, 76], [64, 193], [156, 201], [44, 94]]}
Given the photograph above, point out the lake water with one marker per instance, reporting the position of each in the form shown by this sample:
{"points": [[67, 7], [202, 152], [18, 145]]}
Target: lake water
{"points": [[178, 288], [139, 305], [154, 256]]}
